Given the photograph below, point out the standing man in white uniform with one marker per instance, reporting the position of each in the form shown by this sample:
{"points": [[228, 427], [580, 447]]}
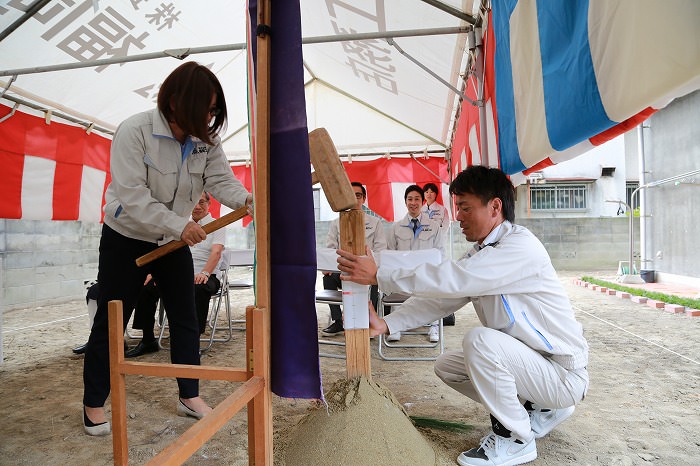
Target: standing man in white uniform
{"points": [[527, 364], [414, 232], [375, 239]]}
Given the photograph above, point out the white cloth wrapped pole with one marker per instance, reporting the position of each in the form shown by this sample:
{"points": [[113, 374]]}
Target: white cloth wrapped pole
{"points": [[355, 305]]}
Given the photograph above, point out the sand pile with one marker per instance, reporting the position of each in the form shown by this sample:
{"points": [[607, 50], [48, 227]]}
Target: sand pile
{"points": [[364, 425]]}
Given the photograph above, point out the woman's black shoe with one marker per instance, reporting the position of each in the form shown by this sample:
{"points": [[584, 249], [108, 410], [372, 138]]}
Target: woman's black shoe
{"points": [[80, 349], [142, 348]]}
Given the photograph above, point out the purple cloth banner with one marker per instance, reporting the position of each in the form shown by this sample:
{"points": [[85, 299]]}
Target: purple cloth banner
{"points": [[295, 369]]}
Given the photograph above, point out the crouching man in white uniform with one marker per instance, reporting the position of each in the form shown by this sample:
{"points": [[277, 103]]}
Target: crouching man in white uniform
{"points": [[527, 364]]}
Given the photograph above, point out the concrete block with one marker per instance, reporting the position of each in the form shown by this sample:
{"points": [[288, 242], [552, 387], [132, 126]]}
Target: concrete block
{"points": [[623, 295], [692, 312], [19, 260], [48, 290], [612, 292], [603, 289], [674, 308], [72, 287], [655, 304], [595, 287], [19, 242], [639, 299], [19, 295], [20, 226], [20, 277]]}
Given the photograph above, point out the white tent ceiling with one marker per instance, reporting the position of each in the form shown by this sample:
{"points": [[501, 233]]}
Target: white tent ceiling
{"points": [[369, 96]]}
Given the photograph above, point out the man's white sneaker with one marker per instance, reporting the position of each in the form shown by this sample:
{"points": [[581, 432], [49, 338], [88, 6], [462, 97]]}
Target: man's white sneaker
{"points": [[434, 334], [396, 336], [496, 450], [544, 420]]}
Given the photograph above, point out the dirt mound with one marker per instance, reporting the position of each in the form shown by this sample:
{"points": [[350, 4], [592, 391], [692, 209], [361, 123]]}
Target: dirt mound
{"points": [[364, 424]]}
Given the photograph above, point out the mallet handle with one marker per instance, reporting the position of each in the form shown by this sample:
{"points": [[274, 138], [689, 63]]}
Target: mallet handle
{"points": [[208, 228]]}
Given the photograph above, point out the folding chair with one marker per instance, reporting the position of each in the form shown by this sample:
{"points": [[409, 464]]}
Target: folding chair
{"points": [[408, 260], [326, 262], [222, 296], [239, 258]]}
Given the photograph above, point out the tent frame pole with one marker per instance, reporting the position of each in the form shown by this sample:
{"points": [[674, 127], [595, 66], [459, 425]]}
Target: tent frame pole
{"points": [[183, 53]]}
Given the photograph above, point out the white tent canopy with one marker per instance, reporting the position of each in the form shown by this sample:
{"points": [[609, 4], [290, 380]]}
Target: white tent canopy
{"points": [[365, 92]]}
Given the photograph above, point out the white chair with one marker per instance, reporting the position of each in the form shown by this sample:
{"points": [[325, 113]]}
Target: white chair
{"points": [[229, 259], [408, 260], [239, 258]]}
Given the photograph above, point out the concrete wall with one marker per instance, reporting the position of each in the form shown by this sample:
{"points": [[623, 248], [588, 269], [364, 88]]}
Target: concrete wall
{"points": [[572, 243], [45, 262], [672, 147], [584, 244]]}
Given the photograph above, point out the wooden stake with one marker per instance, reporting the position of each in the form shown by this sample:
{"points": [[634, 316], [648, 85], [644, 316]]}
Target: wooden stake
{"points": [[260, 407], [261, 429], [120, 445], [352, 239]]}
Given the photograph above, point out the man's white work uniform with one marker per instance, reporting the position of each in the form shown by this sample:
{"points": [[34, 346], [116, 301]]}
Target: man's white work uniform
{"points": [[427, 235], [437, 212], [202, 250], [530, 345], [374, 234]]}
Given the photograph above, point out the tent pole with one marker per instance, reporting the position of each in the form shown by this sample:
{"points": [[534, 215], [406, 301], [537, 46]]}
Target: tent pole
{"points": [[31, 11], [64, 116], [480, 72], [453, 11], [362, 102], [428, 70], [183, 53]]}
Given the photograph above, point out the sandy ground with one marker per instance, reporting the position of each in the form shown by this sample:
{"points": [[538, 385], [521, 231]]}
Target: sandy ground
{"points": [[643, 406]]}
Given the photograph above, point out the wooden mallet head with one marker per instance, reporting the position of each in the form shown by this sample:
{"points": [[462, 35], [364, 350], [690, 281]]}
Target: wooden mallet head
{"points": [[329, 171]]}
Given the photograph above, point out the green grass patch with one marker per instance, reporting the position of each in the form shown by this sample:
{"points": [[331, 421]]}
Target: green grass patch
{"points": [[439, 424], [666, 298]]}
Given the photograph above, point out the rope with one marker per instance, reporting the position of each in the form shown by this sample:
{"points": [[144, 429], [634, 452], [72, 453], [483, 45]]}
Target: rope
{"points": [[637, 336]]}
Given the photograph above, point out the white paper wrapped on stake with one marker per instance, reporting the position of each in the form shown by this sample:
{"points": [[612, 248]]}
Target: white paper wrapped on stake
{"points": [[355, 305]]}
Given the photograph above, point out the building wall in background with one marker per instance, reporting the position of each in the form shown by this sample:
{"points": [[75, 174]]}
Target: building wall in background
{"points": [[672, 147], [572, 243], [45, 262], [585, 170]]}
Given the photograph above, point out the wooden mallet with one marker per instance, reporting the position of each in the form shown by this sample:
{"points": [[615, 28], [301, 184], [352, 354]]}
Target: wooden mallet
{"points": [[341, 197], [329, 172]]}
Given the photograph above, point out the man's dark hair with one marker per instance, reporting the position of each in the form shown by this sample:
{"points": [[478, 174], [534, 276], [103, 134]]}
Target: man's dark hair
{"points": [[486, 184], [416, 188], [359, 185], [431, 186], [188, 90]]}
